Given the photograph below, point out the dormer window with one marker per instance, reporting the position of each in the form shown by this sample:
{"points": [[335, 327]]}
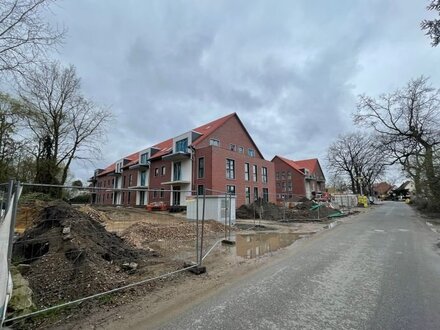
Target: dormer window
{"points": [[118, 168], [143, 160], [182, 145]]}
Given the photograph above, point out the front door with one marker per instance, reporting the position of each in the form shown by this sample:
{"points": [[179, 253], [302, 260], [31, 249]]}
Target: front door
{"points": [[176, 195]]}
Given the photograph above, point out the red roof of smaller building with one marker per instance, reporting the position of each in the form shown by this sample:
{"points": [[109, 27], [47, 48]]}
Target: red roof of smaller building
{"points": [[382, 188], [291, 163], [310, 164]]}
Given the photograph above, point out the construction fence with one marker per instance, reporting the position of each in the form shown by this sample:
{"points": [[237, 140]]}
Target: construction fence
{"points": [[58, 254]]}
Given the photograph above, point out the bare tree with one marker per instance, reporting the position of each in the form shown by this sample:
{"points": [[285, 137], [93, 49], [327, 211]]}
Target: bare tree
{"points": [[24, 35], [64, 124], [408, 122], [359, 158], [432, 27], [9, 145]]}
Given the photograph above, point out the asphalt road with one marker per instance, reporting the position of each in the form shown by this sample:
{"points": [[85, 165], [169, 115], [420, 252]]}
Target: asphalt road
{"points": [[380, 270]]}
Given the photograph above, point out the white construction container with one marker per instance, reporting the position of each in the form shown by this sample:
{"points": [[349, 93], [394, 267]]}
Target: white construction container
{"points": [[215, 208]]}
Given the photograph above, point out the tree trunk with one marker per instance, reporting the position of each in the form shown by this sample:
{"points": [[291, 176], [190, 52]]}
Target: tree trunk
{"points": [[433, 184]]}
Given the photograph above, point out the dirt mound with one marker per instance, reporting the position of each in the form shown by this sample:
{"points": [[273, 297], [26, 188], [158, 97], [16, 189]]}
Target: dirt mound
{"points": [[304, 212], [269, 211], [304, 205], [71, 255], [260, 210]]}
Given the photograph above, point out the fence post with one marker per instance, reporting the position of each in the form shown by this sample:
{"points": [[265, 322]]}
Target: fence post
{"points": [[319, 206], [284, 208], [9, 195], [226, 215], [13, 217], [230, 216], [197, 226], [203, 225]]}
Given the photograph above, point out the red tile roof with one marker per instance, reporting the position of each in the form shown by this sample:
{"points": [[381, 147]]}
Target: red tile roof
{"points": [[111, 168], [291, 163], [208, 128], [164, 146], [167, 145], [382, 187], [311, 164]]}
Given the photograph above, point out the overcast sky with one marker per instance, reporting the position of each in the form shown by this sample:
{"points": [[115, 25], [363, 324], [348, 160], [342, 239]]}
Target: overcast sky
{"points": [[292, 70]]}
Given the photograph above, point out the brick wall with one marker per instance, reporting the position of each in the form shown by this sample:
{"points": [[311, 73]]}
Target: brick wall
{"points": [[297, 180], [220, 182], [129, 197], [156, 180]]}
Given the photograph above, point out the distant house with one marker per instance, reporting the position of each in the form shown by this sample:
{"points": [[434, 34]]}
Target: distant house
{"points": [[382, 190], [296, 179], [217, 157], [405, 189]]}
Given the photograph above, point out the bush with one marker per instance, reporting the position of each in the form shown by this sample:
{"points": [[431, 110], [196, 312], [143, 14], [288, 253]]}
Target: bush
{"points": [[80, 199]]}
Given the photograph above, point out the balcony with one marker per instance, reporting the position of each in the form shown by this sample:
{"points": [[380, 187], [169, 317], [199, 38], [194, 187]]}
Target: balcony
{"points": [[179, 175], [180, 182], [138, 187], [140, 166], [176, 156], [115, 174]]}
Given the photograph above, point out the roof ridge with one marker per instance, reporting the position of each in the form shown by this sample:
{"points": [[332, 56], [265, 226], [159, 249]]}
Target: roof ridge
{"points": [[168, 142]]}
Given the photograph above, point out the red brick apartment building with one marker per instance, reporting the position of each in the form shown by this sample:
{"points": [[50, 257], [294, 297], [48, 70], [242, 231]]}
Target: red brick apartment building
{"points": [[218, 156], [299, 178]]}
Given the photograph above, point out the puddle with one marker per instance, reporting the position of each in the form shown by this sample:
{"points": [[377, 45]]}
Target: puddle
{"points": [[253, 245]]}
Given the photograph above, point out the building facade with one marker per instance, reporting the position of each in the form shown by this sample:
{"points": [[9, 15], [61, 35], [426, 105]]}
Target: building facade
{"points": [[298, 179], [214, 158]]}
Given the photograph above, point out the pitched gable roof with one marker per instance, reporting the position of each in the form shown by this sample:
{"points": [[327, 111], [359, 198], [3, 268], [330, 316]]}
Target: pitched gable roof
{"points": [[291, 163], [382, 187], [166, 146], [209, 128], [311, 164]]}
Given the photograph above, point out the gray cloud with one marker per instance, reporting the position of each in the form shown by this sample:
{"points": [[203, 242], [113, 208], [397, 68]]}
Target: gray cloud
{"points": [[290, 69]]}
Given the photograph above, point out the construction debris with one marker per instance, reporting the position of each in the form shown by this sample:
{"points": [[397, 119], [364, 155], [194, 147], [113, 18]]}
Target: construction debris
{"points": [[302, 211]]}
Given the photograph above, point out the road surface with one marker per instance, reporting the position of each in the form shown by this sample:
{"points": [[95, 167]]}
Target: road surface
{"points": [[380, 270]]}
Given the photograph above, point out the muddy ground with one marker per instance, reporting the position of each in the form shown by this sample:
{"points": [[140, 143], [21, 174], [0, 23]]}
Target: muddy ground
{"points": [[105, 240], [66, 253]]}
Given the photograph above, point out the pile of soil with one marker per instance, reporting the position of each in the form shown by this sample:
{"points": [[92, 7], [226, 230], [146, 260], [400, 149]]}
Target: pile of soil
{"points": [[141, 234], [302, 212], [269, 211], [70, 255], [260, 210]]}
